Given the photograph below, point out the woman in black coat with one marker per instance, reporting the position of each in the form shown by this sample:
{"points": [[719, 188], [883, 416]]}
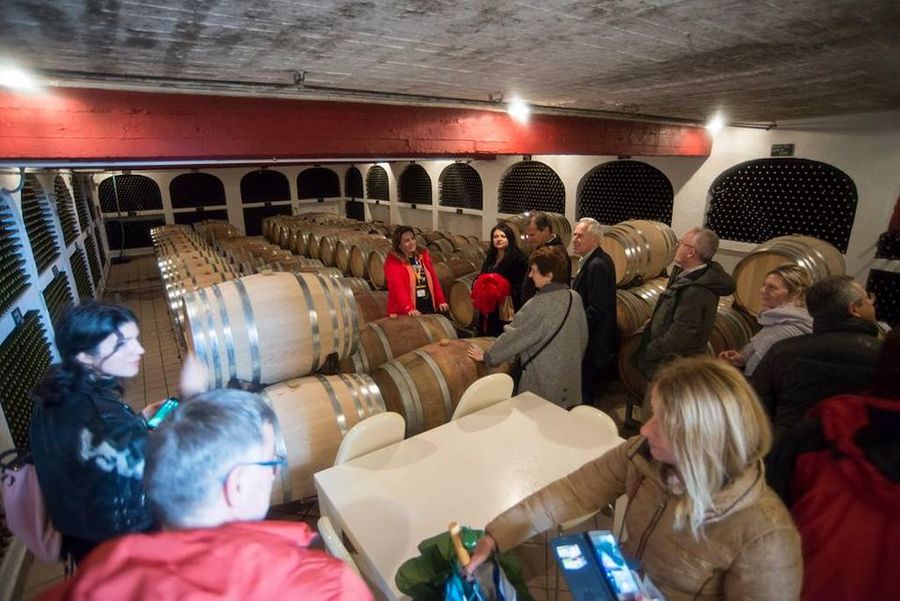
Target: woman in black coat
{"points": [[503, 258]]}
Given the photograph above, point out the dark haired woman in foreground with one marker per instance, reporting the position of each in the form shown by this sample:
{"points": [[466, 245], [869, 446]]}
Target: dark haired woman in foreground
{"points": [[87, 444]]}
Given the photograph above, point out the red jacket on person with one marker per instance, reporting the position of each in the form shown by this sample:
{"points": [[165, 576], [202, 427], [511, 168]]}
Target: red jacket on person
{"points": [[401, 283], [836, 474], [241, 561]]}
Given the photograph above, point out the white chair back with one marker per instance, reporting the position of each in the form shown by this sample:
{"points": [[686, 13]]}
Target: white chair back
{"points": [[482, 393], [373, 433], [602, 420], [333, 543]]}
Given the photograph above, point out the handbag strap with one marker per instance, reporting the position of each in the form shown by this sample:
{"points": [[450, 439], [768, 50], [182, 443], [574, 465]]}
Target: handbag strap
{"points": [[561, 324]]}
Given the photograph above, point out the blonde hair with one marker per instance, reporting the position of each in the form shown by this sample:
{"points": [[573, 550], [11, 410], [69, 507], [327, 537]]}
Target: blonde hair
{"points": [[795, 279], [716, 427]]}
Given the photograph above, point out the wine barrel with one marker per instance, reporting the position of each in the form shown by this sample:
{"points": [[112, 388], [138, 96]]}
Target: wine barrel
{"points": [[818, 258], [425, 385], [371, 305], [383, 339], [732, 331], [472, 252], [462, 309], [451, 270], [375, 269], [359, 255], [558, 223], [356, 284], [314, 414], [639, 249], [631, 312], [441, 245], [272, 326]]}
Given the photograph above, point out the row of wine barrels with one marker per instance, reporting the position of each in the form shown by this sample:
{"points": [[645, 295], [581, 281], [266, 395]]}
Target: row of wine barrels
{"points": [[732, 330], [272, 326], [384, 339], [425, 385], [286, 263], [558, 223], [359, 255], [314, 414], [639, 249], [818, 258]]}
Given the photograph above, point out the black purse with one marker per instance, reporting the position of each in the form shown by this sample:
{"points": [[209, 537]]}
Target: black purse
{"points": [[517, 367]]}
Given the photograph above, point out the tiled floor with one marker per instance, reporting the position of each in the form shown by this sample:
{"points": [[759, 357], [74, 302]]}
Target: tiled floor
{"points": [[137, 285]]}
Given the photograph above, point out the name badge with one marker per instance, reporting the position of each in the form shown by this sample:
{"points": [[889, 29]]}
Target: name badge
{"points": [[420, 293]]}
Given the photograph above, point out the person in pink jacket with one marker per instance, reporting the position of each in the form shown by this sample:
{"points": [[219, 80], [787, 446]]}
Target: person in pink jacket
{"points": [[413, 286]]}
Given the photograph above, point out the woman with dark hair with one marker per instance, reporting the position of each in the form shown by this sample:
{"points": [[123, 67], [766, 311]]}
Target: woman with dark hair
{"points": [[413, 286], [504, 260], [548, 335], [87, 444]]}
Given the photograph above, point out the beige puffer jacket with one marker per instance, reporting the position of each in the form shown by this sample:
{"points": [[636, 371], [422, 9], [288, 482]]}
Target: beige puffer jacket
{"points": [[750, 548]]}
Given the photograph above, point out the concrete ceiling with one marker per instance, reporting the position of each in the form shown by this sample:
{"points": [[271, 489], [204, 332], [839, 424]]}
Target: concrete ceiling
{"points": [[756, 60]]}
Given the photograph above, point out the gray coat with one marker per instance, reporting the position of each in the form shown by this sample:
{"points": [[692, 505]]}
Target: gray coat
{"points": [[555, 374]]}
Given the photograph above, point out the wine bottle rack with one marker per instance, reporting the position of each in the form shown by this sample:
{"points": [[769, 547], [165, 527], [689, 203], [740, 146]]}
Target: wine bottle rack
{"points": [[38, 223], [64, 210], [24, 356], [13, 278], [82, 276], [58, 296], [81, 204], [90, 249]]}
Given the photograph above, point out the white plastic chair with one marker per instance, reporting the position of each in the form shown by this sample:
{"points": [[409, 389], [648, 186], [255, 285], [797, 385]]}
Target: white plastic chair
{"points": [[373, 433], [482, 393], [333, 542], [602, 419]]}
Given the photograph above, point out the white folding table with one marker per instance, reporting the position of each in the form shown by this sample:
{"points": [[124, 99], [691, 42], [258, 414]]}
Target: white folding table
{"points": [[468, 471]]}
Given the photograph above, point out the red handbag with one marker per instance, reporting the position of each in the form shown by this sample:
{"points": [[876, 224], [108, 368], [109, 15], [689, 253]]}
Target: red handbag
{"points": [[23, 502]]}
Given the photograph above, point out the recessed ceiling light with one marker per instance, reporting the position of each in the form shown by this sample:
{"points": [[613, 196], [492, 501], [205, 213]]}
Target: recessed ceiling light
{"points": [[16, 78], [716, 123], [518, 110]]}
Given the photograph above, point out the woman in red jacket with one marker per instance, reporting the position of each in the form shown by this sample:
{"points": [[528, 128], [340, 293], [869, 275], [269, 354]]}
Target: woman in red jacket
{"points": [[413, 286]]}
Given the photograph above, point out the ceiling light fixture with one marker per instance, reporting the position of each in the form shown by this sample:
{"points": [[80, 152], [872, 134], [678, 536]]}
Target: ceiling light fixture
{"points": [[518, 110], [715, 124], [17, 79]]}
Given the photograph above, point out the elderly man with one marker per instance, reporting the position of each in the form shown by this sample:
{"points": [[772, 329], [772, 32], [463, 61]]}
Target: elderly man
{"points": [[596, 283], [539, 233], [837, 358], [686, 310], [208, 477]]}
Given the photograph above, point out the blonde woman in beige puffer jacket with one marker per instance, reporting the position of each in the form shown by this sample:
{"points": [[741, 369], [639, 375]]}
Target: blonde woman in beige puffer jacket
{"points": [[700, 517]]}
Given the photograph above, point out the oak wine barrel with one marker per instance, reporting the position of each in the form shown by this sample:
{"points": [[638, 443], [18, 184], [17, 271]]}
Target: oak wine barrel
{"points": [[462, 309], [384, 339], [425, 385], [314, 414], [371, 305], [639, 249], [272, 326]]}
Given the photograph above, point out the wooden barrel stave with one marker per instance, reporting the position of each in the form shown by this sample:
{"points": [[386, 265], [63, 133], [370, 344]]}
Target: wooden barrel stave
{"points": [[382, 340]]}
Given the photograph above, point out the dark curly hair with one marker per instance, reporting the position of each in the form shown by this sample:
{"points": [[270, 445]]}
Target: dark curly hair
{"points": [[81, 329]]}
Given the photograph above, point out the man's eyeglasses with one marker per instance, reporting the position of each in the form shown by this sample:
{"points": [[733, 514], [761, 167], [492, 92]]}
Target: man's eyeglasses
{"points": [[683, 243], [276, 464]]}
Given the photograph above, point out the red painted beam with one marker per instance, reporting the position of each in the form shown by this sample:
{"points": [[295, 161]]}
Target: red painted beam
{"points": [[89, 124]]}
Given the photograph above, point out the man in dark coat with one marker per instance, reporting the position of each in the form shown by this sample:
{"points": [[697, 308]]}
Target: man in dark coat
{"points": [[685, 313], [596, 283], [539, 232], [837, 358]]}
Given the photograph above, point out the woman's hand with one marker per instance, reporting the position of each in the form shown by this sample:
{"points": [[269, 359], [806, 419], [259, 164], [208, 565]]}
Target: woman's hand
{"points": [[443, 307], [482, 552], [733, 357], [151, 409], [415, 313], [194, 378], [475, 353]]}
